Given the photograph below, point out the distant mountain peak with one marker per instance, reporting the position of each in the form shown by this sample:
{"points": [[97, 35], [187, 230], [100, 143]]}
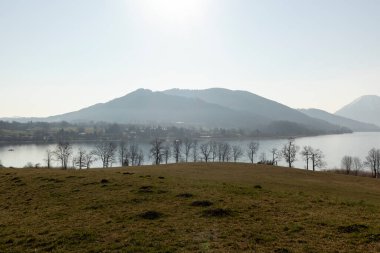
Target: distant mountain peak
{"points": [[141, 91], [354, 125], [365, 108], [367, 99]]}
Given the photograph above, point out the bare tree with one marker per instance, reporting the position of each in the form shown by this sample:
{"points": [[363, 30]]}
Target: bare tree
{"points": [[263, 158], [62, 153], [220, 151], [157, 150], [237, 152], [289, 152], [123, 154], [226, 152], [253, 147], [90, 159], [205, 149], [214, 150], [317, 159], [49, 158], [80, 159], [177, 149], [377, 163], [306, 154], [357, 165], [167, 153], [195, 151], [276, 155], [188, 144], [347, 163], [106, 153], [134, 154], [140, 158], [373, 161]]}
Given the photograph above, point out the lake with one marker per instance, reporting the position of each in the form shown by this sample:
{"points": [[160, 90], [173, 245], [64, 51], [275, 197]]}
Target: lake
{"points": [[333, 146]]}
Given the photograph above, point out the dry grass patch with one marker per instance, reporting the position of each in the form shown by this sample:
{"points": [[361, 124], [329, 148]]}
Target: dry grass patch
{"points": [[137, 211]]}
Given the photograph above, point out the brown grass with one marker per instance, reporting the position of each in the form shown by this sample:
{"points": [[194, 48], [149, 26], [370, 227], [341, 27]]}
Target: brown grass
{"points": [[149, 209]]}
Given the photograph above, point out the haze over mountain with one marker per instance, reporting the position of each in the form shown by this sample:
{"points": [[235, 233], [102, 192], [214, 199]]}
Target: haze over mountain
{"points": [[354, 125], [365, 109], [212, 108], [147, 107], [253, 104]]}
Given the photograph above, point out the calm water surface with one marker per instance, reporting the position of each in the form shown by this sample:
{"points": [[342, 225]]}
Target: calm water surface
{"points": [[333, 146]]}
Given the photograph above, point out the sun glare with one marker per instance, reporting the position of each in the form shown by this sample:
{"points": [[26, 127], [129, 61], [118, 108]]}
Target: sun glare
{"points": [[179, 12]]}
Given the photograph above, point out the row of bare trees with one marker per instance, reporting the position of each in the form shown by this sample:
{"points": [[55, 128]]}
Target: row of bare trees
{"points": [[190, 150], [353, 165], [161, 151], [107, 152], [212, 151], [314, 158]]}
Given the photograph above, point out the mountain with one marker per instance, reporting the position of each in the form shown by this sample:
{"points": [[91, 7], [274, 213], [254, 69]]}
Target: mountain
{"points": [[147, 107], [212, 108], [354, 125], [365, 109], [253, 104]]}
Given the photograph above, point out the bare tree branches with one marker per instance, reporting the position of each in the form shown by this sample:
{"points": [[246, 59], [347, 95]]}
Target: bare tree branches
{"points": [[347, 163], [237, 152], [177, 149], [123, 154], [306, 154], [276, 155], [80, 159], [317, 159], [62, 153], [357, 165], [195, 150], [140, 158], [106, 153], [49, 158], [289, 152], [157, 150], [253, 147], [134, 152], [90, 159], [188, 144], [205, 149], [214, 150], [373, 161], [166, 153], [225, 149]]}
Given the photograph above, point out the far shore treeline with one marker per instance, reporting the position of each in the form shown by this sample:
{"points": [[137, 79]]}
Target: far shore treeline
{"points": [[52, 132]]}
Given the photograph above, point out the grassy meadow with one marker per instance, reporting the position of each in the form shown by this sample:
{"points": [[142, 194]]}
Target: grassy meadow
{"points": [[188, 208]]}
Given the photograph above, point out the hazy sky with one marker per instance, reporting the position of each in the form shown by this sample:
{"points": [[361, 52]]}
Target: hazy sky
{"points": [[61, 55]]}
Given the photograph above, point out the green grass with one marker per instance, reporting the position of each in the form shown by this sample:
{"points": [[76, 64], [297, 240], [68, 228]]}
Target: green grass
{"points": [[188, 208]]}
